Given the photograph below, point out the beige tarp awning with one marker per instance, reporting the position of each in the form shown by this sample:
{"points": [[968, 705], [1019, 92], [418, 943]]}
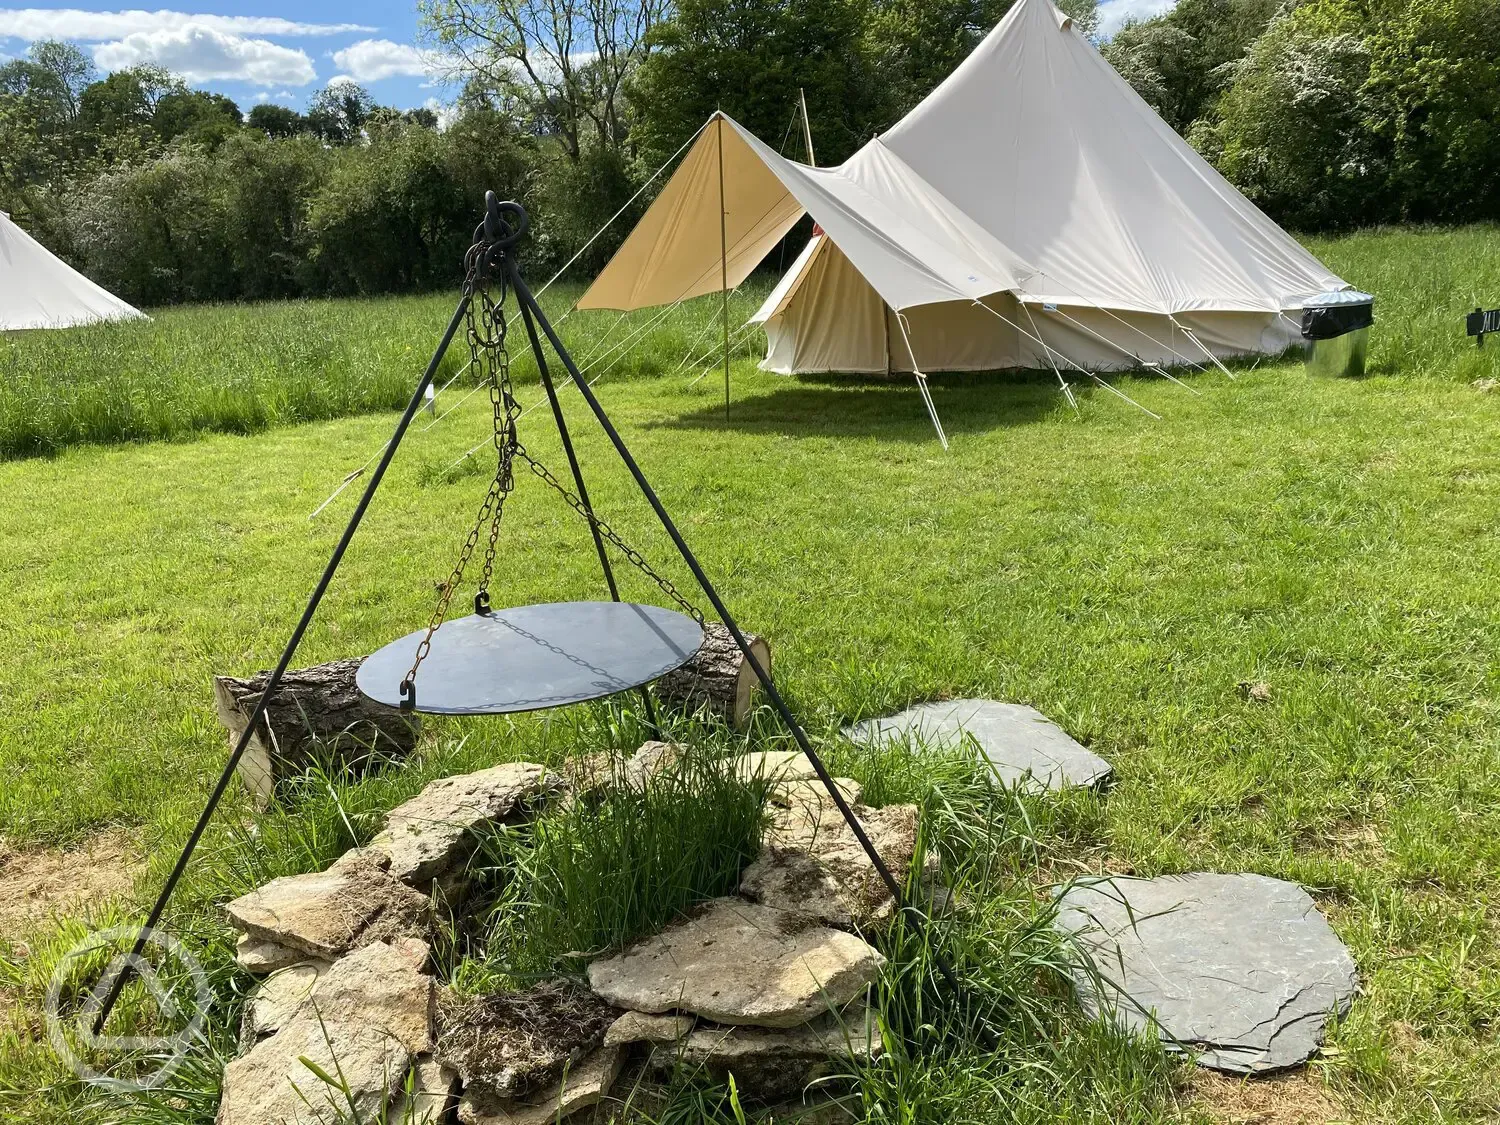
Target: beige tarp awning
{"points": [[913, 248], [674, 252]]}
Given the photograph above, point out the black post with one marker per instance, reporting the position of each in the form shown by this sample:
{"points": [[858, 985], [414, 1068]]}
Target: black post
{"points": [[118, 984], [528, 301], [583, 492]]}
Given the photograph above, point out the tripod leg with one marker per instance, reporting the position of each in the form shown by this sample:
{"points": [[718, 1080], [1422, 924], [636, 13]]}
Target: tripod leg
{"points": [[583, 492], [527, 300], [118, 984]]}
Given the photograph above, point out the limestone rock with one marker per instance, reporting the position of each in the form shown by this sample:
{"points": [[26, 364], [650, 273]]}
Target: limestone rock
{"points": [[770, 1063], [327, 913], [381, 985], [814, 865], [271, 1083], [592, 774], [583, 1085], [638, 1027], [1022, 744], [366, 1016], [277, 999], [1241, 969], [257, 956], [435, 830], [775, 766], [511, 1044], [427, 1097], [735, 962]]}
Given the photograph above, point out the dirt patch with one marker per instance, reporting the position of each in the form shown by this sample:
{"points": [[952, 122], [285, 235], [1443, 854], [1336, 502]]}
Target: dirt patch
{"points": [[34, 885], [1300, 1098]]}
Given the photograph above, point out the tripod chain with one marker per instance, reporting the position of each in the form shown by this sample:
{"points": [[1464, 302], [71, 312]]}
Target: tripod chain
{"points": [[634, 557], [489, 356]]}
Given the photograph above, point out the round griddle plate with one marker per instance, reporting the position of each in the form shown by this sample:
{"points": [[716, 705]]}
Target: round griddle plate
{"points": [[534, 656]]}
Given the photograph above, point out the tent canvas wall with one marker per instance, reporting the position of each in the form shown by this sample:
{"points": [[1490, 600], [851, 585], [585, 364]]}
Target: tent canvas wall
{"points": [[1032, 211], [39, 290]]}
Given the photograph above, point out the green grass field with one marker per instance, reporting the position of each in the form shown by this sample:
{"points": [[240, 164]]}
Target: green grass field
{"points": [[1335, 539]]}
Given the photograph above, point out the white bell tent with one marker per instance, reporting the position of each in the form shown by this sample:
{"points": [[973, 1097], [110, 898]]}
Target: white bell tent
{"points": [[1032, 211], [39, 290]]}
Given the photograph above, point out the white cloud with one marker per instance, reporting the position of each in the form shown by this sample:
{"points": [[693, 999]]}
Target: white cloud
{"points": [[370, 60], [1114, 14], [72, 23], [205, 54]]}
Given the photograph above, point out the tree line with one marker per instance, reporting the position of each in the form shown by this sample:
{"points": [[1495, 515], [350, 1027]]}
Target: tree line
{"points": [[1326, 113]]}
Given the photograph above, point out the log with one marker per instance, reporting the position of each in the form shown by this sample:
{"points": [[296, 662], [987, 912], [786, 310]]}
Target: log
{"points": [[316, 710], [718, 677]]}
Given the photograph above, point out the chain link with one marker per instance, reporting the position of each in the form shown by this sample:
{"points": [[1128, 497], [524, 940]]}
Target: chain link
{"points": [[489, 356]]}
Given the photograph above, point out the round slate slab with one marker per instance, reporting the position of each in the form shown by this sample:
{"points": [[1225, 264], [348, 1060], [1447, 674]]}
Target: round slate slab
{"points": [[1022, 744], [534, 656], [1241, 970]]}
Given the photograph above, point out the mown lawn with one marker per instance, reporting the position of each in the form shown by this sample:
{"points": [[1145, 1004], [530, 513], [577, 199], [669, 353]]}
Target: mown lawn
{"points": [[1335, 539]]}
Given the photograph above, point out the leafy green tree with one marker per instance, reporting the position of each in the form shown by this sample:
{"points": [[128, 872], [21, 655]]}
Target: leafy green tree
{"points": [[277, 121], [262, 209], [197, 115], [1180, 61], [563, 64], [1293, 128], [338, 112], [124, 102], [749, 58], [53, 74], [1433, 94], [150, 231], [39, 120]]}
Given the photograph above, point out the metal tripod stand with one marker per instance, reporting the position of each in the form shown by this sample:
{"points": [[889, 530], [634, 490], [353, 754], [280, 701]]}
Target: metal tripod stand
{"points": [[503, 226]]}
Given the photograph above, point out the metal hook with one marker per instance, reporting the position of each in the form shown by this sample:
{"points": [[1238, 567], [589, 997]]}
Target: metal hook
{"points": [[504, 222], [408, 696]]}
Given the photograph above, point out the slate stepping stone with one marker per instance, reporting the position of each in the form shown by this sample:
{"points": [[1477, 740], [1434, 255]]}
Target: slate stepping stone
{"points": [[1241, 970], [1022, 744]]}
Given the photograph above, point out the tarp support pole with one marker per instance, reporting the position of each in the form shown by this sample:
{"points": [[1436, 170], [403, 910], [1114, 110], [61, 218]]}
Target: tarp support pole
{"points": [[812, 160], [724, 263], [922, 389]]}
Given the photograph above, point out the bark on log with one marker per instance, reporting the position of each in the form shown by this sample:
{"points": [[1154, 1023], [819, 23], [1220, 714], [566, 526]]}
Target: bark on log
{"points": [[317, 708], [718, 676]]}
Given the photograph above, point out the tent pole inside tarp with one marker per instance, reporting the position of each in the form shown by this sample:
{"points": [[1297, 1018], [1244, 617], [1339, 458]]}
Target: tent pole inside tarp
{"points": [[812, 160], [724, 264]]}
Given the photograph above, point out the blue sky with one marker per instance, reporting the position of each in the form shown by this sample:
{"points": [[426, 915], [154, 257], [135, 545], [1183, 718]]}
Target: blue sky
{"points": [[252, 50], [283, 50]]}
